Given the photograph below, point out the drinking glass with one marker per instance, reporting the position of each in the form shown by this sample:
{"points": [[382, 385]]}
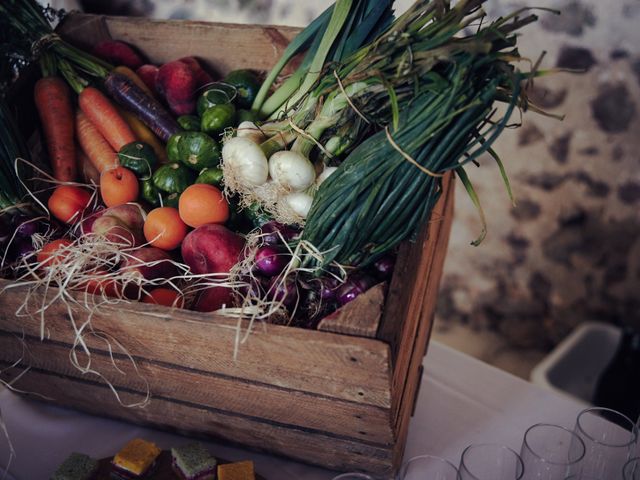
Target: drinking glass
{"points": [[608, 437], [428, 467], [488, 461], [353, 476], [631, 470], [550, 452], [581, 476]]}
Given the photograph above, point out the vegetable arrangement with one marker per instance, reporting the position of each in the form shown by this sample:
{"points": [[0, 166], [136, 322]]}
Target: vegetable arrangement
{"points": [[186, 189]]}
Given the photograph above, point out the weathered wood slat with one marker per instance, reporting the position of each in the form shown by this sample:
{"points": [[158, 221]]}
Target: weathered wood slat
{"points": [[298, 443], [360, 318], [349, 368], [406, 404], [419, 309], [254, 47], [227, 395], [404, 313]]}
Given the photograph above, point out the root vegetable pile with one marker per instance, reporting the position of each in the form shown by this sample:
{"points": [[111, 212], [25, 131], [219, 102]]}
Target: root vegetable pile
{"points": [[174, 185]]}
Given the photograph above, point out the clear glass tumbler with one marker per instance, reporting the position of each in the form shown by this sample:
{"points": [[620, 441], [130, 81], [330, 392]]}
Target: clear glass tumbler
{"points": [[609, 437], [580, 476], [550, 452], [428, 467], [489, 461], [631, 470], [353, 476]]}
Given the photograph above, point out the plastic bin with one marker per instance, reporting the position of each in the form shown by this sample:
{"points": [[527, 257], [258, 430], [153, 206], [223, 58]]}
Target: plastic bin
{"points": [[574, 366]]}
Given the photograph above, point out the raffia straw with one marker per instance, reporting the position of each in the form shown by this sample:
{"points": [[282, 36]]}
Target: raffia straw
{"points": [[47, 178], [257, 309], [408, 157], [21, 359], [348, 99], [12, 451], [311, 138]]}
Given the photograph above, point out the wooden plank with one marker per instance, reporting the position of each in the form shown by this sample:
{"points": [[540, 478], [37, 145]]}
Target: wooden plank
{"points": [[338, 366], [299, 444], [421, 306], [402, 311], [406, 404], [361, 317], [254, 47], [227, 395]]}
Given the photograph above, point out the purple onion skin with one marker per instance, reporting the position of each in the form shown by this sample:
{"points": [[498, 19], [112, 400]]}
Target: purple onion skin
{"points": [[328, 288], [285, 292], [26, 227], [270, 232], [19, 248], [383, 267], [354, 286], [270, 261]]}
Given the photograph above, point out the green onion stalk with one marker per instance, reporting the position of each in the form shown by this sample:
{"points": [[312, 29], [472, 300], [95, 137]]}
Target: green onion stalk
{"points": [[394, 116], [27, 33], [14, 198]]}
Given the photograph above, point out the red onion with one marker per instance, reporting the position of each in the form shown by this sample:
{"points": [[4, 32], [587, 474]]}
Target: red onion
{"points": [[283, 291], [329, 287], [383, 267], [275, 232], [26, 227], [18, 248], [270, 261], [354, 286]]}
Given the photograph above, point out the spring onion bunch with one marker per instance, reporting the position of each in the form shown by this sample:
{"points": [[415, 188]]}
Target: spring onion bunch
{"points": [[386, 122], [26, 32], [13, 196]]}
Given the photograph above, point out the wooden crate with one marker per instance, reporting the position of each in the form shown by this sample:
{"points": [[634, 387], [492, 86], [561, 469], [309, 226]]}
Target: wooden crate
{"points": [[339, 401]]}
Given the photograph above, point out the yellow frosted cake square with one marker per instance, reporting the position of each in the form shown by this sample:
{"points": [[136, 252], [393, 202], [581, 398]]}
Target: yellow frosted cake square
{"points": [[136, 457], [236, 471]]}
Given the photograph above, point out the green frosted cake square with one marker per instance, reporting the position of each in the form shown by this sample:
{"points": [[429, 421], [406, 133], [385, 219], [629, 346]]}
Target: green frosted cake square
{"points": [[77, 466], [193, 461]]}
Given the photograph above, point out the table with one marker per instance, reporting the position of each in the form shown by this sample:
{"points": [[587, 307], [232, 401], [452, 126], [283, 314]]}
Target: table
{"points": [[462, 401]]}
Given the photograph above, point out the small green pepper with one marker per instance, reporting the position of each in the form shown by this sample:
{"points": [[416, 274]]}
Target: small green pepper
{"points": [[190, 123], [217, 118]]}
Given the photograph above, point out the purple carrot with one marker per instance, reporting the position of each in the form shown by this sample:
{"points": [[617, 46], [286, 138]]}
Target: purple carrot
{"points": [[147, 109]]}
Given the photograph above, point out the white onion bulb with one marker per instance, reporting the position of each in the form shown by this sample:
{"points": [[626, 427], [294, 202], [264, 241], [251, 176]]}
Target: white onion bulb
{"points": [[248, 129], [299, 203], [246, 160], [326, 173], [292, 170]]}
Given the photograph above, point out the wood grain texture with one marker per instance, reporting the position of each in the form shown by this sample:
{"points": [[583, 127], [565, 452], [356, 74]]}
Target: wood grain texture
{"points": [[297, 443], [404, 407], [222, 46], [360, 318], [337, 366], [227, 395]]}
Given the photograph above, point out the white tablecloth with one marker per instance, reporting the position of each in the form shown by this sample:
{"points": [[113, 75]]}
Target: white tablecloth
{"points": [[462, 401]]}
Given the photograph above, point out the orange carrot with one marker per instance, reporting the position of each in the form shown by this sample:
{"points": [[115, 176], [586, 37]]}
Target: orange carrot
{"points": [[104, 115], [94, 144], [53, 101], [133, 76]]}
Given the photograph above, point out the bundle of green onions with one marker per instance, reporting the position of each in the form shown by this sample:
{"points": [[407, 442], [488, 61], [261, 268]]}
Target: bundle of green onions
{"points": [[27, 32], [13, 195], [393, 117]]}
